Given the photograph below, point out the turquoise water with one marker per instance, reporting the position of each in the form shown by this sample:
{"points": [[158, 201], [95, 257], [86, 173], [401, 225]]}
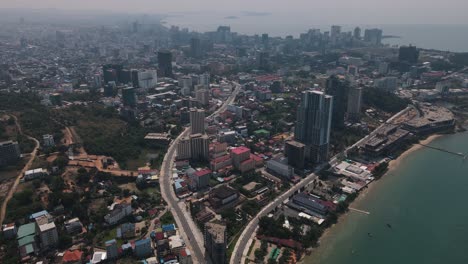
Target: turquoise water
{"points": [[425, 202]]}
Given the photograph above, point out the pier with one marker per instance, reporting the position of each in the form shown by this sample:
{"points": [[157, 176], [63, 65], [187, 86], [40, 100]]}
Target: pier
{"points": [[459, 154], [359, 211]]}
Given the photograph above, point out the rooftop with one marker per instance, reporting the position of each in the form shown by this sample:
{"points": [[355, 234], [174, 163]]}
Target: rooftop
{"points": [[202, 172], [217, 231], [240, 150], [26, 230]]}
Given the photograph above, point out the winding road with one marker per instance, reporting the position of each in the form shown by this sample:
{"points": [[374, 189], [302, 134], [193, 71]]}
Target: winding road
{"points": [[242, 245], [18, 178], [183, 219]]}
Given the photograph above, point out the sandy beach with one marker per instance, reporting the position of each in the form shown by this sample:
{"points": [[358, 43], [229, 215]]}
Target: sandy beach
{"points": [[394, 164]]}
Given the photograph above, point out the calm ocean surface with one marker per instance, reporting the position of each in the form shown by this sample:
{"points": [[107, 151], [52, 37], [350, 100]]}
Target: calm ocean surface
{"points": [[441, 37], [424, 200]]}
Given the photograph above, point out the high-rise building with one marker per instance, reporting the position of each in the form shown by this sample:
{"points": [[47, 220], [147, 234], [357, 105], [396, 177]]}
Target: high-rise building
{"points": [[223, 34], [204, 79], [129, 96], [9, 153], [295, 152], [338, 88], [357, 33], [97, 81], [335, 31], [265, 41], [147, 79], [183, 149], [408, 54], [354, 103], [203, 96], [197, 121], [263, 60], [165, 63], [335, 34], [239, 155], [313, 125], [108, 90], [373, 36], [195, 47], [126, 76], [199, 147], [216, 242], [135, 78], [112, 249], [383, 67], [387, 83]]}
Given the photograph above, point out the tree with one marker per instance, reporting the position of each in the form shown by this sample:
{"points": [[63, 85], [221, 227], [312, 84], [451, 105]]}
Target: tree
{"points": [[65, 241]]}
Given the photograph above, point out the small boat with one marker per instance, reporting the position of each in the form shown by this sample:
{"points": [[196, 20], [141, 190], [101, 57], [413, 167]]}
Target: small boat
{"points": [[369, 234], [389, 225]]}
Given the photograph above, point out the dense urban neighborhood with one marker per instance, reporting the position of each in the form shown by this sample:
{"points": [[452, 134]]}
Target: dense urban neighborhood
{"points": [[136, 142]]}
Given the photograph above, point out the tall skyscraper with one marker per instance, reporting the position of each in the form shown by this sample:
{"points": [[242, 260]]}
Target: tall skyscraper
{"points": [[295, 152], [357, 33], [335, 31], [204, 79], [265, 41], [339, 90], [135, 78], [183, 149], [165, 63], [263, 60], [373, 36], [203, 96], [313, 124], [199, 147], [408, 54], [128, 96], [216, 242], [197, 121], [195, 47], [354, 103], [147, 79]]}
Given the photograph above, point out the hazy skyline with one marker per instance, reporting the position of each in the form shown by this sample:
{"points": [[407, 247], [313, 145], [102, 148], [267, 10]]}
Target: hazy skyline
{"points": [[331, 11]]}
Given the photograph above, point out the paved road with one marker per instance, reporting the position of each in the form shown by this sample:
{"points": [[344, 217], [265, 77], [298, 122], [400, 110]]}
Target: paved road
{"points": [[181, 217], [18, 178], [242, 244]]}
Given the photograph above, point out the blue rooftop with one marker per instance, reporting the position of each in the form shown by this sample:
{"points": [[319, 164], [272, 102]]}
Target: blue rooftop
{"points": [[110, 242], [142, 242], [38, 214], [169, 227]]}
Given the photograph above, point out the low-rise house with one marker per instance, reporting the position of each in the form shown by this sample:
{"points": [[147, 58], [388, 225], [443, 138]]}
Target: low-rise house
{"points": [[73, 226], [73, 257], [35, 174]]}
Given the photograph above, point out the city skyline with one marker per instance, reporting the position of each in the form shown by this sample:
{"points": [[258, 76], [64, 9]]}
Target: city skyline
{"points": [[364, 11]]}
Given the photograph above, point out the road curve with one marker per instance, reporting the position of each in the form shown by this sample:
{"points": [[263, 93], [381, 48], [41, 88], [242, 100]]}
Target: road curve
{"points": [[26, 167], [242, 243], [167, 192]]}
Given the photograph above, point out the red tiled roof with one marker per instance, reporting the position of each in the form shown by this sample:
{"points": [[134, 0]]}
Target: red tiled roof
{"points": [[202, 172], [240, 150], [72, 256], [255, 157]]}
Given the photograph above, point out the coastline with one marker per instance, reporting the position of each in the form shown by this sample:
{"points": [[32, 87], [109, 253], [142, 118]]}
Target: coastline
{"points": [[393, 165]]}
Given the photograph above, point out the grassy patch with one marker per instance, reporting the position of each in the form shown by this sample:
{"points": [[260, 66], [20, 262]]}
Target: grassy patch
{"points": [[167, 218]]}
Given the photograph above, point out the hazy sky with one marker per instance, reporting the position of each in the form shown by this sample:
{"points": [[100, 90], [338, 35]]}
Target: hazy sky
{"points": [[359, 11]]}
